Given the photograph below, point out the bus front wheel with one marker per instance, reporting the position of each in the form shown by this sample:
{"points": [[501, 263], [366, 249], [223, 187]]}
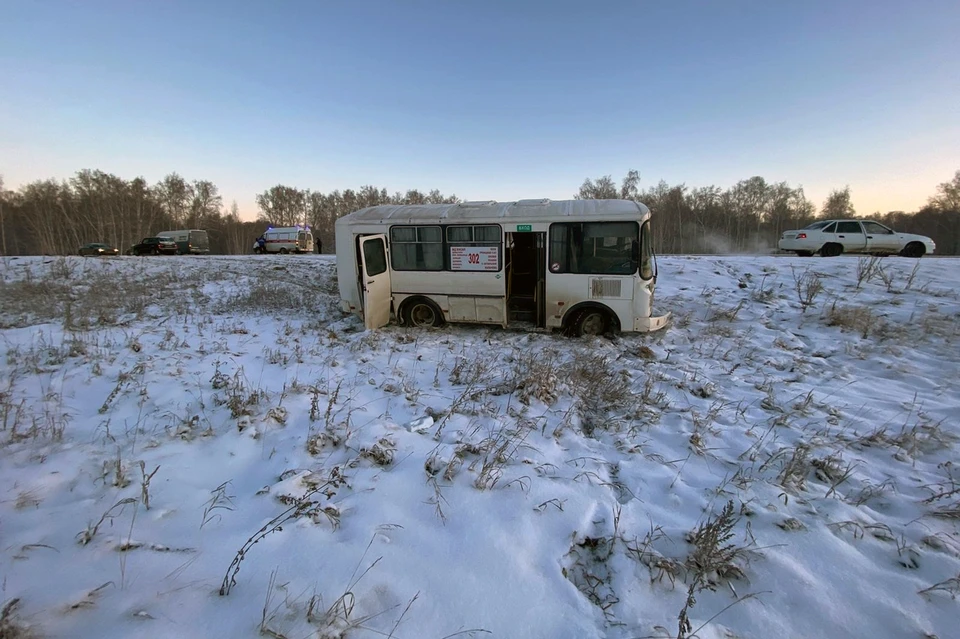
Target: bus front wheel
{"points": [[591, 322]]}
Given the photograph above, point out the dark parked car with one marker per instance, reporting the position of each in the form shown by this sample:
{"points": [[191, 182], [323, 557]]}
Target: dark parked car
{"points": [[95, 248], [154, 246]]}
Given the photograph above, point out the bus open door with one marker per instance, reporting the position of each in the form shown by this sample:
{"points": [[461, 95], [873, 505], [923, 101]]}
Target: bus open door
{"points": [[375, 281]]}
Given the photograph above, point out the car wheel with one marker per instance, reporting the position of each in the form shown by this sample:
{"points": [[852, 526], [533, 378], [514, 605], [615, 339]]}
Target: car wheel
{"points": [[913, 249], [831, 250], [591, 322], [422, 314], [283, 251], [805, 253]]}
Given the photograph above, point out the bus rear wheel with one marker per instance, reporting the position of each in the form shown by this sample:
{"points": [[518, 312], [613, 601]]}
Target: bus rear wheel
{"points": [[422, 314]]}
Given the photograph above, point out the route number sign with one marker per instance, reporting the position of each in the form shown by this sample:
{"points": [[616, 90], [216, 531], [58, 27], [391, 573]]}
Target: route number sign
{"points": [[474, 258]]}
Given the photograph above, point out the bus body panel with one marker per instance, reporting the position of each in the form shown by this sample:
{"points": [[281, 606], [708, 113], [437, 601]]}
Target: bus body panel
{"points": [[425, 282], [482, 296], [566, 290], [463, 308]]}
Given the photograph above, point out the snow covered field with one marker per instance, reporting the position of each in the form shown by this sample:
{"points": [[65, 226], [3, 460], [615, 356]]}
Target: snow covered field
{"points": [[207, 447]]}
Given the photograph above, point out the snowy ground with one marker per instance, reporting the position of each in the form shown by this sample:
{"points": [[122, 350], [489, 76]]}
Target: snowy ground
{"points": [[159, 415]]}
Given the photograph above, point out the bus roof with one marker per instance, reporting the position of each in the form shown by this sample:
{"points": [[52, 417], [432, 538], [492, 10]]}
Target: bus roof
{"points": [[537, 210]]}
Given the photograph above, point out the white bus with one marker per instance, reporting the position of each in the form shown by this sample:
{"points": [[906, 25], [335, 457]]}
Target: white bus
{"points": [[583, 265], [285, 239]]}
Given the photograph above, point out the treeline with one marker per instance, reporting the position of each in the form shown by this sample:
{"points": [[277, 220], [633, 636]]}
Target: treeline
{"points": [[286, 206], [750, 216], [51, 217]]}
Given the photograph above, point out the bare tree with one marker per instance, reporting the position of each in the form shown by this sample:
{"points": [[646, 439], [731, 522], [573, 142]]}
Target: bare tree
{"points": [[283, 205], [603, 189], [802, 209], [838, 204], [630, 187], [205, 204], [3, 221], [175, 195], [948, 195]]}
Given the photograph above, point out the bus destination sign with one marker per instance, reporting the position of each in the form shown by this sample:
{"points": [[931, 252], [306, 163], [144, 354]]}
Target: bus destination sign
{"points": [[475, 258]]}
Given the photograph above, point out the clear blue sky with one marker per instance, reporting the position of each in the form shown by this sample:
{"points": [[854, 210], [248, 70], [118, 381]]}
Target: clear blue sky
{"points": [[486, 99]]}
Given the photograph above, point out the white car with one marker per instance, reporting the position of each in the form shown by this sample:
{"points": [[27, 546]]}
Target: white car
{"points": [[830, 238]]}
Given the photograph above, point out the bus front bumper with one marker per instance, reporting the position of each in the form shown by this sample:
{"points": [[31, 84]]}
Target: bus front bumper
{"points": [[650, 324]]}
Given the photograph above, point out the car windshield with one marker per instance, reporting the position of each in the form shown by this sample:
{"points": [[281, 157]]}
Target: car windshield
{"points": [[816, 225]]}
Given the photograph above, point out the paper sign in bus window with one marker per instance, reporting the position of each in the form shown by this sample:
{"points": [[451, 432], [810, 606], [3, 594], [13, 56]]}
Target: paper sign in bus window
{"points": [[474, 258]]}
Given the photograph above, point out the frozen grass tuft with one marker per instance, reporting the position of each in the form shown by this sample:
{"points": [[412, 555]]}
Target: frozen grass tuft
{"points": [[10, 626], [808, 287], [950, 586], [271, 295], [714, 559]]}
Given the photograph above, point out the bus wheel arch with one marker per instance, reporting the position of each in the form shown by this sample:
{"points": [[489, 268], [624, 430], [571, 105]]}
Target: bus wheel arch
{"points": [[590, 318], [420, 311]]}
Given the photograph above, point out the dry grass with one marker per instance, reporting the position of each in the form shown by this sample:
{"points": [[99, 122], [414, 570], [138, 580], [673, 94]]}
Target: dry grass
{"points": [[950, 586], [498, 451], [99, 295], [866, 269], [794, 466], [305, 506], [590, 570], [714, 559], [236, 394], [380, 453], [599, 387], [270, 294], [858, 319], [535, 376], [10, 627], [87, 535], [859, 529], [808, 286]]}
